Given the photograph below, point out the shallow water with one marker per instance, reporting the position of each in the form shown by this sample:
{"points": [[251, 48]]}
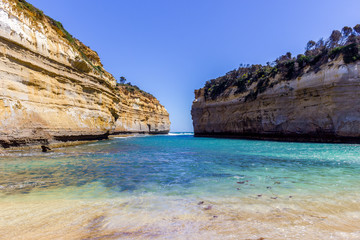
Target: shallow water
{"points": [[181, 187]]}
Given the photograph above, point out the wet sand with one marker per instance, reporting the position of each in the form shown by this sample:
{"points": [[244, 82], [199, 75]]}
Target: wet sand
{"points": [[152, 217]]}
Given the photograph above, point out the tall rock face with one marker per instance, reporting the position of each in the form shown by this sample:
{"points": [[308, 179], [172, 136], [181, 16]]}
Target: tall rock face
{"points": [[140, 112], [53, 87], [321, 105]]}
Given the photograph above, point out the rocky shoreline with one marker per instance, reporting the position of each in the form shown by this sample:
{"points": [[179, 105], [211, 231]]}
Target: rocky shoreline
{"points": [[57, 144]]}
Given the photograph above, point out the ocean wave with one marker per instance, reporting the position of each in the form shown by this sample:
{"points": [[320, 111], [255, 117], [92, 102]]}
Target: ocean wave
{"points": [[181, 134]]}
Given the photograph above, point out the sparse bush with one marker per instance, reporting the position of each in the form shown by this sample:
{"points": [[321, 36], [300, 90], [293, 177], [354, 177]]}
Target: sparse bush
{"points": [[132, 89], [99, 69], [335, 52], [35, 12], [302, 60]]}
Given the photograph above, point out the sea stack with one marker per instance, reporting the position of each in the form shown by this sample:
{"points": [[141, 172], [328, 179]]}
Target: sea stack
{"points": [[54, 88]]}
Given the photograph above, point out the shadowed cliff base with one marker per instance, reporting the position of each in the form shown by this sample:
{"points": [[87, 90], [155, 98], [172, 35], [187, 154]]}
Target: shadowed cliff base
{"points": [[63, 141], [311, 138], [82, 137], [33, 141]]}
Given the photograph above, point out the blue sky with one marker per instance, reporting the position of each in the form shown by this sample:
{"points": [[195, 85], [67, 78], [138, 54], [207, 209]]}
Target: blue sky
{"points": [[169, 48]]}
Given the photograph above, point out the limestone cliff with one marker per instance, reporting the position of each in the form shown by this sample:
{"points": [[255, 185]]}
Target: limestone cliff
{"points": [[140, 112], [320, 104], [53, 87]]}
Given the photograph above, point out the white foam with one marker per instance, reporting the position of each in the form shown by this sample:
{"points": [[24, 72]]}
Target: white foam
{"points": [[181, 134]]}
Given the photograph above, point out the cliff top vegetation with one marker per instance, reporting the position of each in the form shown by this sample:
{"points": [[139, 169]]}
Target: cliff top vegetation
{"points": [[128, 87], [36, 16], [344, 43]]}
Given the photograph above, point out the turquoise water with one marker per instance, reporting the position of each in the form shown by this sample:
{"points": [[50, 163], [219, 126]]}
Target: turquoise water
{"points": [[182, 164], [180, 172]]}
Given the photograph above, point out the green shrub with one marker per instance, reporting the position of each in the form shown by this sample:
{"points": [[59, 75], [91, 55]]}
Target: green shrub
{"points": [[303, 60], [133, 89], [351, 53], [335, 52], [99, 69], [36, 13]]}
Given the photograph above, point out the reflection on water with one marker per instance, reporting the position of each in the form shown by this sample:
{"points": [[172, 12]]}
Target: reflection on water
{"points": [[180, 187]]}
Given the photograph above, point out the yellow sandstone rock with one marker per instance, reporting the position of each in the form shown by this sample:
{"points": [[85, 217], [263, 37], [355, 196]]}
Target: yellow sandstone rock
{"points": [[53, 87]]}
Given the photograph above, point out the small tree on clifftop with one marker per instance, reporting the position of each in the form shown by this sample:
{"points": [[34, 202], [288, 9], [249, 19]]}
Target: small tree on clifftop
{"points": [[122, 80], [334, 38], [310, 45], [357, 29], [346, 31]]}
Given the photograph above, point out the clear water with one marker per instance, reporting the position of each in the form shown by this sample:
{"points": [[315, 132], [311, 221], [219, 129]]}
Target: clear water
{"points": [[181, 187]]}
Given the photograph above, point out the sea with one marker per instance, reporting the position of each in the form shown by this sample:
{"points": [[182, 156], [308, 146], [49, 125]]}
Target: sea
{"points": [[178, 186]]}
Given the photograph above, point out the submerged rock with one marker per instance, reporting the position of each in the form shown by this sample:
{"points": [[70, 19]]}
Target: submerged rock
{"points": [[45, 148]]}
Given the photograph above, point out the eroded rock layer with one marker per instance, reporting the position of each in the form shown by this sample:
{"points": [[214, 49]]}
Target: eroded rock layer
{"points": [[321, 105], [140, 113], [52, 87]]}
